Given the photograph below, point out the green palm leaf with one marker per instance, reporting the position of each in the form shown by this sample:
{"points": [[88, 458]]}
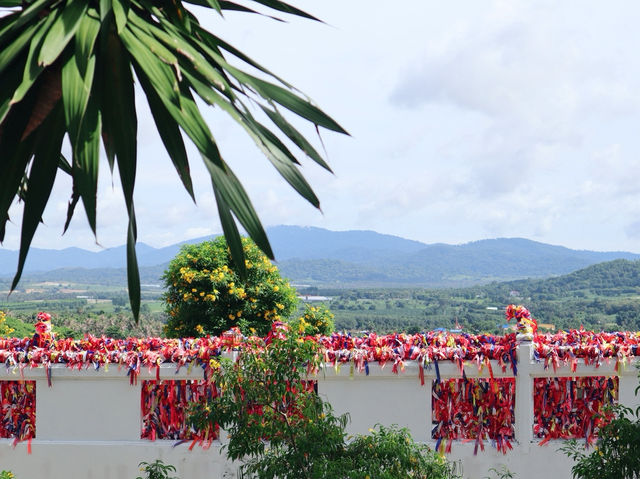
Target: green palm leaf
{"points": [[67, 68]]}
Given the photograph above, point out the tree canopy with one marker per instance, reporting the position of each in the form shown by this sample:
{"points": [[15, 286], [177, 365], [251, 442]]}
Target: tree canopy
{"points": [[67, 69], [206, 295]]}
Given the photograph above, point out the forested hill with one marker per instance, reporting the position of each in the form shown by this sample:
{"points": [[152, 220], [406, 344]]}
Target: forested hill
{"points": [[325, 258], [611, 278]]}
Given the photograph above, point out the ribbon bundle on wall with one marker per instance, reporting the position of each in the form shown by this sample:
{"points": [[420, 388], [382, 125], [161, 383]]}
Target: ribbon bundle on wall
{"points": [[425, 348], [592, 348], [18, 411], [572, 408], [164, 405], [473, 410]]}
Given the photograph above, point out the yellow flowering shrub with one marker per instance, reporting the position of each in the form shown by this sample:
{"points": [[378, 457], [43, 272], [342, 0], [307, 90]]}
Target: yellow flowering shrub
{"points": [[5, 330], [314, 320], [204, 295]]}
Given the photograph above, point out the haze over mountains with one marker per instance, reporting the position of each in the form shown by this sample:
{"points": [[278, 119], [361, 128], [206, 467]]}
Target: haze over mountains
{"points": [[313, 256]]}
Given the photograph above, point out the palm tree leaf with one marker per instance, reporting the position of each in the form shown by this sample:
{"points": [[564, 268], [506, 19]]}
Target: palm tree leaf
{"points": [[142, 30], [281, 159], [133, 274], [186, 50], [287, 99], [22, 18], [160, 75], [9, 52], [86, 39], [286, 8], [295, 136], [62, 31], [41, 178], [106, 7], [227, 185], [216, 43], [10, 3], [226, 5], [120, 11], [231, 234], [32, 69], [9, 80], [116, 96], [169, 132]]}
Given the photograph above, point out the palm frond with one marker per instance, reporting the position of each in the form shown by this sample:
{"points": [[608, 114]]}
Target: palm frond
{"points": [[67, 67]]}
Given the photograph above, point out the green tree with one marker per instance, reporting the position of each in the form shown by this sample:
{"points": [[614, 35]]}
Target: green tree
{"points": [[206, 295], [67, 68], [281, 428]]}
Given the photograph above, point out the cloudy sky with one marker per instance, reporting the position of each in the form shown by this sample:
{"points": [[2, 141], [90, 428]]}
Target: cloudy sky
{"points": [[468, 120]]}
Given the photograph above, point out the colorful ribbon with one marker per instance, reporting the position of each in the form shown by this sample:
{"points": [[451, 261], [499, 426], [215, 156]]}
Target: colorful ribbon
{"points": [[474, 410], [164, 405], [18, 411], [572, 408]]}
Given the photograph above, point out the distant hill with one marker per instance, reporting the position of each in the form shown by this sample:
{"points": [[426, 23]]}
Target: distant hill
{"points": [[318, 256], [612, 278]]}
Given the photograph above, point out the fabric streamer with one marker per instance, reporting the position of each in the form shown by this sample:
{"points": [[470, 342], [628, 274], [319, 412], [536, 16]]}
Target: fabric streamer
{"points": [[18, 411], [164, 405], [572, 407], [474, 410]]}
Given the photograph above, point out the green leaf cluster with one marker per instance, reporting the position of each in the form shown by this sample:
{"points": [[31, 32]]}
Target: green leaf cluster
{"points": [[314, 320], [205, 294], [156, 470], [615, 455], [280, 428], [67, 69]]}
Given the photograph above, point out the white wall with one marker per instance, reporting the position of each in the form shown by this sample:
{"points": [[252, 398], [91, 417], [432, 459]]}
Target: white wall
{"points": [[88, 423]]}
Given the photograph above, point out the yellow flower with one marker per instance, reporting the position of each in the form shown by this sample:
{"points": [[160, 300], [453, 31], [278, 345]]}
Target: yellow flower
{"points": [[276, 288]]}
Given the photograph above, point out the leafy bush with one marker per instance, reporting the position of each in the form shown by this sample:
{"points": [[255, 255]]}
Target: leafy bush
{"points": [[7, 475], [156, 470], [205, 295], [5, 330], [281, 428], [314, 320]]}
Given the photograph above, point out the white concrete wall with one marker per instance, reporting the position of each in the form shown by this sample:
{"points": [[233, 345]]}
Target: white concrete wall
{"points": [[88, 423]]}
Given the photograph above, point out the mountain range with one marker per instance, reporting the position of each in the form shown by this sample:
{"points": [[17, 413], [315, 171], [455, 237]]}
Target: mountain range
{"points": [[317, 256]]}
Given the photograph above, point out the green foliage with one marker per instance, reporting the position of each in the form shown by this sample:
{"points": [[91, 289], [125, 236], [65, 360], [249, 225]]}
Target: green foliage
{"points": [[156, 470], [280, 428], [502, 473], [615, 455], [390, 453], [7, 475], [67, 70], [5, 329], [206, 295], [314, 320]]}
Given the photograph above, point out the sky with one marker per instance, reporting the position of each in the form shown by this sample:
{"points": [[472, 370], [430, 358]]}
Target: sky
{"points": [[468, 120]]}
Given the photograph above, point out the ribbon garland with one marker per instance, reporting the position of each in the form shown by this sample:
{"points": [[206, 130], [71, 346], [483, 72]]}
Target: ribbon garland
{"points": [[164, 405], [18, 411], [572, 408], [592, 348], [473, 410], [477, 409]]}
